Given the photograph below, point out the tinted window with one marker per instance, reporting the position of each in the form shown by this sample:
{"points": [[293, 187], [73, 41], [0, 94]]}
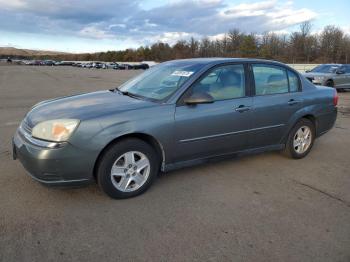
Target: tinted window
{"points": [[270, 80], [346, 69], [325, 69], [293, 82], [224, 82]]}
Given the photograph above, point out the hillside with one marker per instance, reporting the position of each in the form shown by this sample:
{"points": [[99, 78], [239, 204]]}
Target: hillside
{"points": [[11, 51]]}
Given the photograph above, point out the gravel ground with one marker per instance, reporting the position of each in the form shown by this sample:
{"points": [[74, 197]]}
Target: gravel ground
{"points": [[263, 207]]}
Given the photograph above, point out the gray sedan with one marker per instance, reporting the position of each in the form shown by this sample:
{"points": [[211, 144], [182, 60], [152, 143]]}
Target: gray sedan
{"points": [[332, 75], [176, 114]]}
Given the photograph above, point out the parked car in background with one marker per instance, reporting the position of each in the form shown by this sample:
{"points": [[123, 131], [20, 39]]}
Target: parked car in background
{"points": [[122, 67], [141, 66], [65, 63], [97, 65], [176, 114], [332, 75], [37, 62], [49, 62], [87, 65], [110, 65]]}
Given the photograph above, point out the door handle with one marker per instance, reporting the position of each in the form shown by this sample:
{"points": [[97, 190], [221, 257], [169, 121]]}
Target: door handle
{"points": [[242, 108], [293, 102]]}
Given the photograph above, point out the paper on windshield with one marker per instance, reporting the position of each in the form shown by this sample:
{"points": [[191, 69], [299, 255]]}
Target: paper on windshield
{"points": [[182, 73]]}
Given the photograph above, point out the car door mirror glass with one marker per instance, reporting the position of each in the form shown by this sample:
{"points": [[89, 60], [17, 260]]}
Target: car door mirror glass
{"points": [[199, 98]]}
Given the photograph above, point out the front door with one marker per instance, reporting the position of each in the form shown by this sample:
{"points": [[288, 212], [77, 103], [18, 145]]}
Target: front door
{"points": [[217, 128]]}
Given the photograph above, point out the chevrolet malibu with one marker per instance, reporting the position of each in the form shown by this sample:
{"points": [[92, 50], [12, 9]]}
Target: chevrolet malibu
{"points": [[176, 114]]}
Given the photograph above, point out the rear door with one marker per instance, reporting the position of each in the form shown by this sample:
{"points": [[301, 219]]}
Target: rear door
{"points": [[277, 97], [220, 127]]}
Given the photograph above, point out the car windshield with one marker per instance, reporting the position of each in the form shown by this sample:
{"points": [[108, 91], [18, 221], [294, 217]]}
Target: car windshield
{"points": [[161, 81], [325, 69]]}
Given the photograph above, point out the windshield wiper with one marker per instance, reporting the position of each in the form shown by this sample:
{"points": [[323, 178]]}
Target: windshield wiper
{"points": [[127, 93]]}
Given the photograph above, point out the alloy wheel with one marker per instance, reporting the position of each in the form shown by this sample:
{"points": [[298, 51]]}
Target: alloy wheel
{"points": [[302, 139], [130, 171]]}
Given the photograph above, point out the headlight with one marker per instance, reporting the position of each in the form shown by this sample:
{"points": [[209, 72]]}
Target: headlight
{"points": [[58, 130], [319, 78]]}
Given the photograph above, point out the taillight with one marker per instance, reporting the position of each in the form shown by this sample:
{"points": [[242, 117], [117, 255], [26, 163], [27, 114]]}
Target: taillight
{"points": [[335, 98]]}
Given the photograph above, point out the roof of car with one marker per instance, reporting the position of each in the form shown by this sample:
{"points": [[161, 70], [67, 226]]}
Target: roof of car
{"points": [[221, 59], [218, 60]]}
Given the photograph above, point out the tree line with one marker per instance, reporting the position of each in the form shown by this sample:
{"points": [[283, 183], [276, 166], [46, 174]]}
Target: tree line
{"points": [[331, 45]]}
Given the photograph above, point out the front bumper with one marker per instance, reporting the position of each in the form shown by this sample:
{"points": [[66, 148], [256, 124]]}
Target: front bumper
{"points": [[317, 82], [63, 166]]}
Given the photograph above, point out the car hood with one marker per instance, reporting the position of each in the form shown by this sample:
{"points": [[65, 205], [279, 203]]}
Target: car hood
{"points": [[311, 74], [84, 106]]}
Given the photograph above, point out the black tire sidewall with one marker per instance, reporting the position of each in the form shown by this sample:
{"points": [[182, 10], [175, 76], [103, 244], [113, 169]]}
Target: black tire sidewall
{"points": [[330, 83], [112, 153], [289, 145]]}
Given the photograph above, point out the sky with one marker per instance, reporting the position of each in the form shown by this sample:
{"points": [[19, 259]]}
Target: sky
{"points": [[101, 25]]}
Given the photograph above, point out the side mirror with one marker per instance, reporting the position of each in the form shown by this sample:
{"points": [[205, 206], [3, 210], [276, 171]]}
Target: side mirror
{"points": [[307, 71], [339, 72], [199, 98]]}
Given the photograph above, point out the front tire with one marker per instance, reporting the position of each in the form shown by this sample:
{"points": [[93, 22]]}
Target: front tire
{"points": [[330, 83], [127, 168], [301, 139]]}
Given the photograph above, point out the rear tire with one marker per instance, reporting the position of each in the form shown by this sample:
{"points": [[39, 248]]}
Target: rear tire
{"points": [[330, 83], [127, 168], [301, 139]]}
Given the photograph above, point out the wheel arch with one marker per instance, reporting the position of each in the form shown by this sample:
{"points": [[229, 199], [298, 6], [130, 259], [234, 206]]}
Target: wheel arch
{"points": [[312, 118], [152, 141], [308, 116], [330, 80]]}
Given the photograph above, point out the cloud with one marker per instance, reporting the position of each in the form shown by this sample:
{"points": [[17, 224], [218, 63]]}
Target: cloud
{"points": [[346, 30], [126, 20], [244, 8], [93, 32], [11, 4]]}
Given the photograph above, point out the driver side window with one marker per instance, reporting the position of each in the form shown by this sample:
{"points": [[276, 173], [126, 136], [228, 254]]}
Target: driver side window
{"points": [[224, 82]]}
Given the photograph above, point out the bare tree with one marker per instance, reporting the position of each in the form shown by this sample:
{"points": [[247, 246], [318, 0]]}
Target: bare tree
{"points": [[234, 39], [331, 45]]}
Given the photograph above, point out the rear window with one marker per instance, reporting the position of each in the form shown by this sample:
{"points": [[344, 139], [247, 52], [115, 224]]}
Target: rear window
{"points": [[346, 69], [325, 69], [270, 79], [293, 81]]}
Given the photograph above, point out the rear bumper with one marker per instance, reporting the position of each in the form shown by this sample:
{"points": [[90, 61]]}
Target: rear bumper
{"points": [[63, 166], [325, 122]]}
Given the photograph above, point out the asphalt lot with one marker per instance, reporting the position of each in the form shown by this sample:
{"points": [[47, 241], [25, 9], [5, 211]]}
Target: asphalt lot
{"points": [[264, 207]]}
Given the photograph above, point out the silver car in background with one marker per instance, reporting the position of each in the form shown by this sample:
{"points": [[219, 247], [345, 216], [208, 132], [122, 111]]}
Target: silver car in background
{"points": [[332, 75]]}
